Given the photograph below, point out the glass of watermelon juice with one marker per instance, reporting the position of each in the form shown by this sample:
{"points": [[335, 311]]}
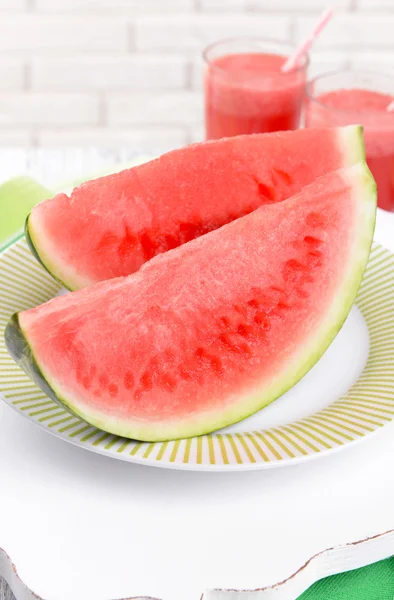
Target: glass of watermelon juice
{"points": [[355, 97], [246, 91]]}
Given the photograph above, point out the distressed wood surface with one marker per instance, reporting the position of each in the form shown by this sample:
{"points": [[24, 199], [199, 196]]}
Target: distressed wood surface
{"points": [[5, 592]]}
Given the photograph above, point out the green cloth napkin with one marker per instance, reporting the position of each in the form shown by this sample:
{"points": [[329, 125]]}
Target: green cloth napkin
{"points": [[17, 198], [374, 582], [20, 194]]}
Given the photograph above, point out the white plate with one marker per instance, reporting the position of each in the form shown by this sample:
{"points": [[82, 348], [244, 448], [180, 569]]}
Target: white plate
{"points": [[346, 397]]}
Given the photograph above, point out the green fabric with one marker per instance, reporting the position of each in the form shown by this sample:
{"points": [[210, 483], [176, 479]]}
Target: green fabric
{"points": [[19, 195], [374, 582], [17, 198]]}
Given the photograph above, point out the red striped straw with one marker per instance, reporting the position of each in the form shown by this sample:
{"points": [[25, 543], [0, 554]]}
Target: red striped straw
{"points": [[303, 48]]}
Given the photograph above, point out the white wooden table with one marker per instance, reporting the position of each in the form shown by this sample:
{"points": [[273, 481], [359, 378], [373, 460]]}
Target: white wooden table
{"points": [[82, 526], [5, 592]]}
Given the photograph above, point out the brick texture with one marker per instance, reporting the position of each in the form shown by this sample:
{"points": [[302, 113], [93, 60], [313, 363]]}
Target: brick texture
{"points": [[13, 5], [35, 110], [109, 72], [30, 34], [12, 74], [129, 72], [376, 62], [193, 32], [145, 139], [166, 108], [375, 4], [349, 30], [127, 6]]}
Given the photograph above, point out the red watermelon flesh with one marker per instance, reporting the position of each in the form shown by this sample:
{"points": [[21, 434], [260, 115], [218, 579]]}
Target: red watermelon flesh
{"points": [[110, 226], [207, 334]]}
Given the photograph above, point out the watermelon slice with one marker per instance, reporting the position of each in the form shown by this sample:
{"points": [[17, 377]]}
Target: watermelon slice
{"points": [[207, 334], [110, 226]]}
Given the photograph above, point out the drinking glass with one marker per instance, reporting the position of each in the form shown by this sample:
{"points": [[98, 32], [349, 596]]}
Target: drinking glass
{"points": [[352, 97], [246, 91]]}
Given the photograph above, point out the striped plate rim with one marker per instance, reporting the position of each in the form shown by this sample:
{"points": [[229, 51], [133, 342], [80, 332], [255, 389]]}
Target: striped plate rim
{"points": [[366, 407]]}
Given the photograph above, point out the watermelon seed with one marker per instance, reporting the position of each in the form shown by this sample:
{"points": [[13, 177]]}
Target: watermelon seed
{"points": [[266, 193], [112, 389], [253, 303], [225, 321], [314, 258], [283, 306], [276, 288], [225, 340], [200, 352], [240, 309], [295, 265], [128, 380], [187, 231], [280, 176], [260, 318], [244, 330], [149, 246], [128, 243], [312, 241], [146, 382], [171, 242], [243, 348], [214, 361]]}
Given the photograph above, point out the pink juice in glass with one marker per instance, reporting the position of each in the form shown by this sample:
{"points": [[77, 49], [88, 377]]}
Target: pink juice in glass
{"points": [[247, 92], [368, 107]]}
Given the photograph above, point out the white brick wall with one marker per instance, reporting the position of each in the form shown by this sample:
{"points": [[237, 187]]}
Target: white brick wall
{"points": [[128, 72], [352, 31], [126, 6], [172, 108], [30, 34], [12, 74], [368, 61], [297, 6], [193, 32], [375, 4], [13, 5], [109, 72], [146, 139], [35, 110]]}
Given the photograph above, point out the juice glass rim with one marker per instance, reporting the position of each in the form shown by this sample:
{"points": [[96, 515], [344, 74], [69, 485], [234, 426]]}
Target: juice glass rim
{"points": [[302, 67], [311, 96]]}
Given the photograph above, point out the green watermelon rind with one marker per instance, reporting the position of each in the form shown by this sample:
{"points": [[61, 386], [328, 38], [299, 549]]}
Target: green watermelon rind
{"points": [[20, 350], [33, 250], [353, 151], [353, 144], [365, 188]]}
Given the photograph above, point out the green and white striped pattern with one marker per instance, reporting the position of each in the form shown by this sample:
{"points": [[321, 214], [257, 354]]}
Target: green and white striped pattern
{"points": [[368, 405]]}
